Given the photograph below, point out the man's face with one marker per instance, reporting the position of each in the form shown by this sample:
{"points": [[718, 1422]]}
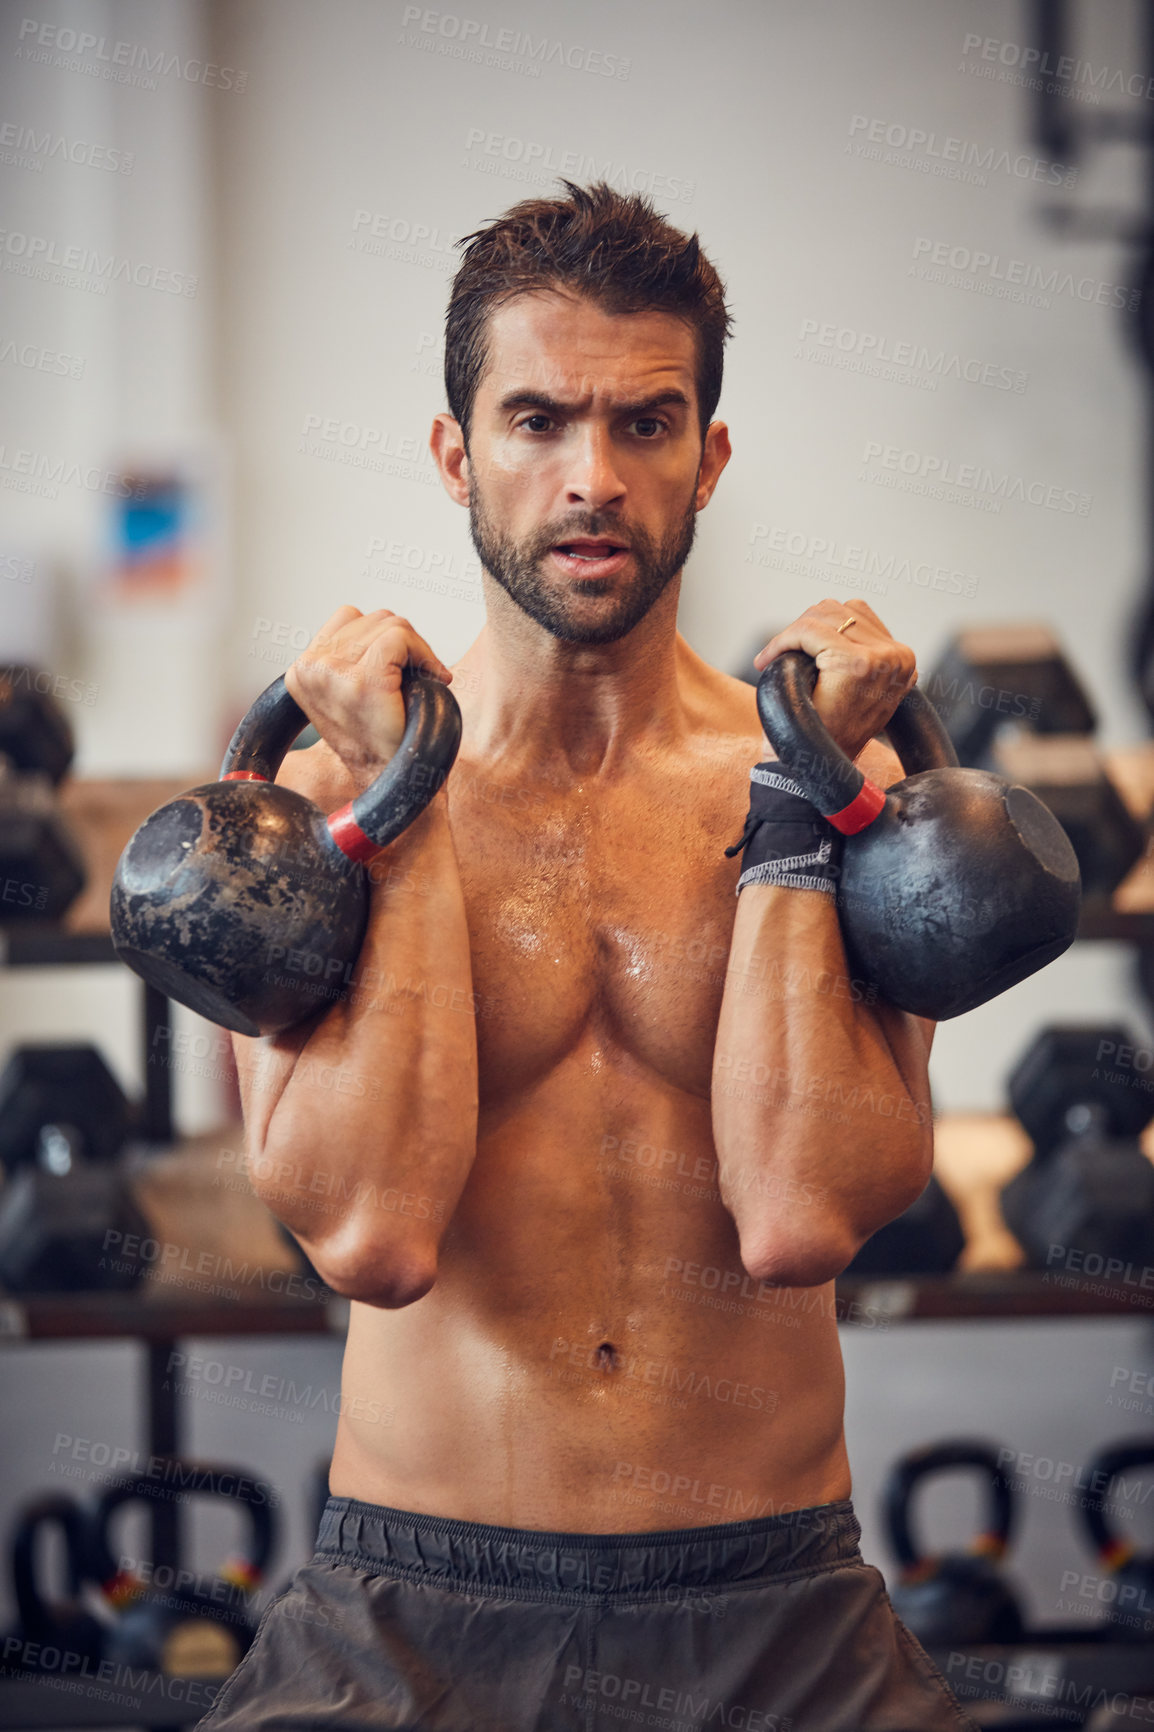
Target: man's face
{"points": [[585, 468]]}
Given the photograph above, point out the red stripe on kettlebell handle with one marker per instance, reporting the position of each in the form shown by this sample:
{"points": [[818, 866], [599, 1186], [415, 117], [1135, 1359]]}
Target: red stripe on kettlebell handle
{"points": [[861, 811], [244, 776], [349, 837]]}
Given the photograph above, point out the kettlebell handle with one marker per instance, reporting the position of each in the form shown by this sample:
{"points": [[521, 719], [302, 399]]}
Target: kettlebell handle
{"points": [[57, 1511], [1110, 1462], [842, 793], [908, 1473], [404, 787], [197, 1479]]}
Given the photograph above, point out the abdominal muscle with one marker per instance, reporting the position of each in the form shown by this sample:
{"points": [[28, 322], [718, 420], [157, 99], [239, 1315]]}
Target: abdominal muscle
{"points": [[593, 1357]]}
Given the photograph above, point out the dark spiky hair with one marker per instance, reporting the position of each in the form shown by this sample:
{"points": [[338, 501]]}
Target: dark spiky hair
{"points": [[614, 249]]}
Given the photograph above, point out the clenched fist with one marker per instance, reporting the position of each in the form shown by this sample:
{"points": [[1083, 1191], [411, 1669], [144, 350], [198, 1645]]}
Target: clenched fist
{"points": [[862, 672], [348, 682]]}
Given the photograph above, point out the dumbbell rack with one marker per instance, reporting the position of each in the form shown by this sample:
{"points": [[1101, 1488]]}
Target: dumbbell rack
{"points": [[104, 814]]}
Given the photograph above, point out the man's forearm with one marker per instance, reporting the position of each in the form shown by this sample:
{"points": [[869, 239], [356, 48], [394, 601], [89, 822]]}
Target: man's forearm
{"points": [[821, 1108], [361, 1130]]}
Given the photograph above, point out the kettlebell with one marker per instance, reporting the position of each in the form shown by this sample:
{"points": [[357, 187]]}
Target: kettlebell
{"points": [[955, 884], [1130, 1614], [241, 899], [169, 1623], [957, 1596], [49, 1631]]}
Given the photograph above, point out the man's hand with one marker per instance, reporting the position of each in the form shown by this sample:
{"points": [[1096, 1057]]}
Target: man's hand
{"points": [[863, 672], [348, 682]]}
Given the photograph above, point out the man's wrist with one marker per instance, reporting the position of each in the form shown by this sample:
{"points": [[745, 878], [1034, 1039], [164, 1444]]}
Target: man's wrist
{"points": [[786, 841]]}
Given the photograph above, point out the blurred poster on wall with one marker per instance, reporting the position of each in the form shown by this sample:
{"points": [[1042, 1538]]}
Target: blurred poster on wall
{"points": [[157, 545], [164, 536]]}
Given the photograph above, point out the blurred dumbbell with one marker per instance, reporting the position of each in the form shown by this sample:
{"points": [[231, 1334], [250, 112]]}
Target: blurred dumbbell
{"points": [[1011, 703], [1069, 776], [926, 1239], [998, 675], [953, 1597], [42, 870], [41, 867], [35, 734], [63, 1120], [1088, 1186]]}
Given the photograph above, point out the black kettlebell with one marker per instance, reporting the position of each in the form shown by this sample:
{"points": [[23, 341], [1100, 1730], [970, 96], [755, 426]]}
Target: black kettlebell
{"points": [[957, 1596], [955, 884], [50, 1630], [171, 1620], [241, 899], [1130, 1614]]}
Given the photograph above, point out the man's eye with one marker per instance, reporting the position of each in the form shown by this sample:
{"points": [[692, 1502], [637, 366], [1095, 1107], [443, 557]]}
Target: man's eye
{"points": [[648, 426], [536, 423]]}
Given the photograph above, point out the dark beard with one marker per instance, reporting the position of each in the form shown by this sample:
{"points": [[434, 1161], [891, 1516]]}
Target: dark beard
{"points": [[514, 565]]}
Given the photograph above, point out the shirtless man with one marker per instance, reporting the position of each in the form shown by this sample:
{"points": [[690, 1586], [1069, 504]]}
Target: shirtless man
{"points": [[589, 1175]]}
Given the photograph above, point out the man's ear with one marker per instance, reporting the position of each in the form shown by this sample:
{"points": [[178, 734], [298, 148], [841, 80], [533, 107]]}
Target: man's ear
{"points": [[715, 454], [447, 443]]}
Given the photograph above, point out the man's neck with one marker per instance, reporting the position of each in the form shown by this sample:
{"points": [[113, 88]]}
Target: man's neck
{"points": [[581, 709]]}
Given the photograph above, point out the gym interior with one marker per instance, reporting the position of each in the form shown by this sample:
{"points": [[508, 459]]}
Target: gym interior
{"points": [[228, 238]]}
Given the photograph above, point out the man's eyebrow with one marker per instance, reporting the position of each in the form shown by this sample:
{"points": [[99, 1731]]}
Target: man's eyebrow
{"points": [[541, 401]]}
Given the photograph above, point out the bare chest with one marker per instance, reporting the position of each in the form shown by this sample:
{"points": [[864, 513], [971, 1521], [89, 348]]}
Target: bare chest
{"points": [[606, 913]]}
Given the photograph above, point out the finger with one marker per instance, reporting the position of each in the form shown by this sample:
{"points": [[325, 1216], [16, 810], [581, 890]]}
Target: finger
{"points": [[406, 646], [336, 623], [863, 610], [812, 635]]}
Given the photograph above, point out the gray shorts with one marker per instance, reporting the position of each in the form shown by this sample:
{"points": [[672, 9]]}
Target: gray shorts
{"points": [[409, 1621]]}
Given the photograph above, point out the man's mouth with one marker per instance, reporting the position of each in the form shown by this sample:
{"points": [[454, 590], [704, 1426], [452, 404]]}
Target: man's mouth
{"points": [[596, 555], [588, 549]]}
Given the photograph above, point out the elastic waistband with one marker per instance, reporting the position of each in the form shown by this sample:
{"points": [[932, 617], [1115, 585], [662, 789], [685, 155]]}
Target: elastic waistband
{"points": [[586, 1566]]}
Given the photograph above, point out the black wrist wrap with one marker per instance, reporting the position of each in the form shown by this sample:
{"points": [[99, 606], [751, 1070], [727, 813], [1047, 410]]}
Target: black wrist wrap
{"points": [[786, 840]]}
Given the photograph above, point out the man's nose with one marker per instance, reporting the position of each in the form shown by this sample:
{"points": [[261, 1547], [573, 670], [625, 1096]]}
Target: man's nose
{"points": [[592, 478]]}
